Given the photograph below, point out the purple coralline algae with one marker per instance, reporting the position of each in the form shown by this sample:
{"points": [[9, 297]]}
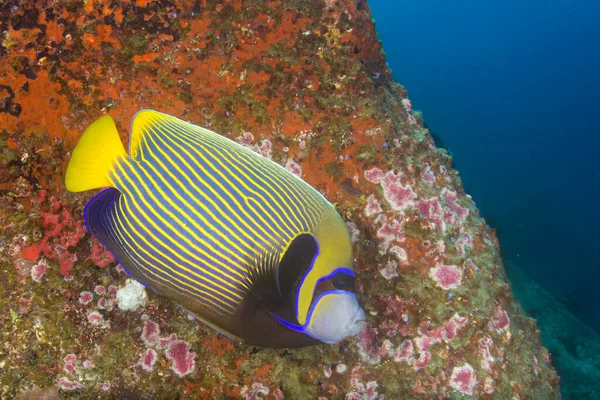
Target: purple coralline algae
{"points": [[463, 379], [446, 276], [181, 358]]}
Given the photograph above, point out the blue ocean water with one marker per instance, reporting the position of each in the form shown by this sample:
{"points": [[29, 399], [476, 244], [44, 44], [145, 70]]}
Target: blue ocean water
{"points": [[512, 88]]}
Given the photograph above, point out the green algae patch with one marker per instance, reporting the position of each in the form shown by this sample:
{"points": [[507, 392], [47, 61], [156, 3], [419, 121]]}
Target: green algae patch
{"points": [[115, 352]]}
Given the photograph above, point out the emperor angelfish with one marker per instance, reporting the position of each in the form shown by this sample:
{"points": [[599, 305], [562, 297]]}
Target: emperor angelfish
{"points": [[235, 239]]}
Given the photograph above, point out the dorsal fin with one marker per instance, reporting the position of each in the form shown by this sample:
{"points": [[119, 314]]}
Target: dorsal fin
{"points": [[146, 121], [142, 121]]}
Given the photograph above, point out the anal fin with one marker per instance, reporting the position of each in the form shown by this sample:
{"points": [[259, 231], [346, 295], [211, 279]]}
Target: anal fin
{"points": [[100, 221]]}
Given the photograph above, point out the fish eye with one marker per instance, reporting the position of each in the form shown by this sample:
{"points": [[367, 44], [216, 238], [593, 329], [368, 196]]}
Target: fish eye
{"points": [[343, 281]]}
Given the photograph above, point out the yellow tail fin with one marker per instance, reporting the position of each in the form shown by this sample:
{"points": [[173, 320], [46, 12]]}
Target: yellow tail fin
{"points": [[93, 156]]}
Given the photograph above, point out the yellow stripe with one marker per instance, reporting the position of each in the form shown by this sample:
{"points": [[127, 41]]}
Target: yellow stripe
{"points": [[151, 234], [149, 274], [189, 242], [210, 200], [244, 221], [194, 211], [223, 145], [300, 190], [125, 230], [246, 198], [287, 190], [181, 224], [234, 155], [250, 245], [273, 212], [252, 162]]}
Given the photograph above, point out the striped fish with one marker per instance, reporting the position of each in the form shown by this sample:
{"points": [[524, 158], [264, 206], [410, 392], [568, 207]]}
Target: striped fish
{"points": [[238, 241]]}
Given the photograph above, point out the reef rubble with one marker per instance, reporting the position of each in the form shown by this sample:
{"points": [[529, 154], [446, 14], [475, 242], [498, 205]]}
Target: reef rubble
{"points": [[306, 84]]}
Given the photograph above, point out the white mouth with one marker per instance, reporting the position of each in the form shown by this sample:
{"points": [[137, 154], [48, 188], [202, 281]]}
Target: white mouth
{"points": [[358, 323]]}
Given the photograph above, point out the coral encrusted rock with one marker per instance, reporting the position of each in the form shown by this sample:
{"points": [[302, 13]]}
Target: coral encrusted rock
{"points": [[304, 83]]}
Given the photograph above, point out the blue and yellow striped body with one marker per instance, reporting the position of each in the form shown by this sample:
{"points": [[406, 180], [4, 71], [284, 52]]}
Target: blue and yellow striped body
{"points": [[208, 223]]}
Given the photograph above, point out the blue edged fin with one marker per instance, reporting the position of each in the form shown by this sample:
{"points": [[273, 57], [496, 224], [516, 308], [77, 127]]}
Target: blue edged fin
{"points": [[100, 222], [98, 212]]}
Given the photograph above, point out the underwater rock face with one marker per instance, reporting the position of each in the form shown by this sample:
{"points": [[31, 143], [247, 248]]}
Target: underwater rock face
{"points": [[304, 83]]}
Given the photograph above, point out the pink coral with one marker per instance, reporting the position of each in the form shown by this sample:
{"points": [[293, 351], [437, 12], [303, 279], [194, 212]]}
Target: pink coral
{"points": [[148, 360], [374, 175], [485, 351], [112, 291], [451, 200], [452, 327], [293, 167], [363, 391], [245, 139], [424, 342], [399, 196], [488, 385], [372, 207], [389, 232], [95, 318], [67, 384], [86, 297], [432, 210], [427, 175], [464, 242], [400, 254], [264, 149], [368, 349], [463, 379], [150, 333], [278, 394], [407, 104], [69, 358], [353, 231], [255, 392], [164, 342], [182, 360], [422, 360], [446, 276], [404, 352], [101, 304], [429, 337], [394, 311], [390, 270], [99, 290], [38, 270], [500, 323]]}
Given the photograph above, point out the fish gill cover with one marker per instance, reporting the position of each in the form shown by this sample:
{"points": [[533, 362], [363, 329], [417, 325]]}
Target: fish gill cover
{"points": [[305, 84]]}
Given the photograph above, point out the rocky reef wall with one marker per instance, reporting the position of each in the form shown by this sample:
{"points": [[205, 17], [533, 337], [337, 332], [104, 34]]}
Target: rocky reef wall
{"points": [[305, 84]]}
